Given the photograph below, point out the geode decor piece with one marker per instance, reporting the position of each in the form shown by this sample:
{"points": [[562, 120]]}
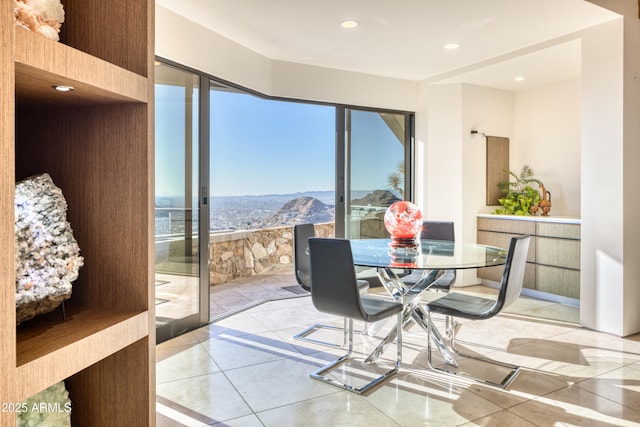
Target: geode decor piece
{"points": [[47, 255], [51, 407]]}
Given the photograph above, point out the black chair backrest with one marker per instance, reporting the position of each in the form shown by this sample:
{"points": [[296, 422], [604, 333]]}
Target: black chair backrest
{"points": [[335, 288], [513, 275], [438, 230], [301, 261]]}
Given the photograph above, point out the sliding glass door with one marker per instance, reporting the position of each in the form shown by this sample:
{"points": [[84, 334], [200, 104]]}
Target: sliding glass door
{"points": [[180, 244], [377, 159], [230, 160]]}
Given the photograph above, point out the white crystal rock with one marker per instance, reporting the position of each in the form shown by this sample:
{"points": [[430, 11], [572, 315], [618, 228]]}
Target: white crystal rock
{"points": [[41, 16], [47, 255]]}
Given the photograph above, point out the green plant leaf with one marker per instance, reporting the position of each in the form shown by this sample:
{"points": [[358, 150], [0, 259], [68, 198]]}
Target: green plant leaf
{"points": [[519, 195]]}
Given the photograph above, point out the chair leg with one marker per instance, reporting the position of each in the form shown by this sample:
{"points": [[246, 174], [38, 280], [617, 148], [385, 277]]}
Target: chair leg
{"points": [[303, 335], [319, 374], [449, 324], [455, 327], [371, 329], [452, 331]]}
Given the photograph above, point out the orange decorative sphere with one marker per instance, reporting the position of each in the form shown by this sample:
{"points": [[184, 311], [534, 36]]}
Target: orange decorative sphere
{"points": [[403, 220]]}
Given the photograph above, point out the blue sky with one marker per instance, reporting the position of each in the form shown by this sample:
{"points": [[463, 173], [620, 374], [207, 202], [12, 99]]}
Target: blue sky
{"points": [[270, 147], [375, 151], [263, 147]]}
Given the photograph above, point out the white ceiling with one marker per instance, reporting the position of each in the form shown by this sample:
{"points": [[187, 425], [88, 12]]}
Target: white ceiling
{"points": [[498, 39]]}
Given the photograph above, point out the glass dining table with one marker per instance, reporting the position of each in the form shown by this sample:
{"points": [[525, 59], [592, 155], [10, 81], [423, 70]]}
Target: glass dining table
{"points": [[423, 260]]}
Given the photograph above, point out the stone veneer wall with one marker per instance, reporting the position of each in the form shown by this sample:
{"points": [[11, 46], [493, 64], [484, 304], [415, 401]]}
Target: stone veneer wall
{"points": [[240, 254]]}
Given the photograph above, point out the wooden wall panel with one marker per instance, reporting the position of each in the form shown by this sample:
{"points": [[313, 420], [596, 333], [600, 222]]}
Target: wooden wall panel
{"points": [[114, 382], [497, 167], [98, 157], [7, 237], [116, 31]]}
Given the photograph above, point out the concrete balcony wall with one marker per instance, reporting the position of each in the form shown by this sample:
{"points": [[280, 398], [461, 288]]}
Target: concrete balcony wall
{"points": [[240, 254]]}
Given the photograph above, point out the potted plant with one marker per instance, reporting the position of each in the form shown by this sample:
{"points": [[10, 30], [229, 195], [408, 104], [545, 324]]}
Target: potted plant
{"points": [[519, 197]]}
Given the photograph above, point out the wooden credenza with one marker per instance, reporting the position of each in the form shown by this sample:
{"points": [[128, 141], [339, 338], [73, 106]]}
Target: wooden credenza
{"points": [[553, 262]]}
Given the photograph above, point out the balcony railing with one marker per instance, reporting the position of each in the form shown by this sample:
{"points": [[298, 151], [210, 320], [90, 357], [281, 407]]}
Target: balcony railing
{"points": [[237, 254]]}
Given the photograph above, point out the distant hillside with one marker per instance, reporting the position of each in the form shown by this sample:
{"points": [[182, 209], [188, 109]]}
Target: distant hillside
{"points": [[376, 198], [299, 211], [249, 211]]}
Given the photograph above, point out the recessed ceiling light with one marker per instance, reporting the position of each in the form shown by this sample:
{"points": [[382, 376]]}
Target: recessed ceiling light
{"points": [[349, 24], [63, 88], [519, 78], [451, 46]]}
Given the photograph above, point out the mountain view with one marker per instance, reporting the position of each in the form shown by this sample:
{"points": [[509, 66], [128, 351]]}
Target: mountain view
{"points": [[299, 211], [264, 211], [257, 211], [376, 198]]}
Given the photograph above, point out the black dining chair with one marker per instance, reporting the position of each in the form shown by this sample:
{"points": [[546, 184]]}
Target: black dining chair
{"points": [[465, 306], [335, 291], [302, 266], [436, 230]]}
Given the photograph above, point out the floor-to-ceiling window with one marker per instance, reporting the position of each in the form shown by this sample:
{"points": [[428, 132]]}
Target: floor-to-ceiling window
{"points": [[178, 239], [269, 159], [377, 149], [229, 160]]}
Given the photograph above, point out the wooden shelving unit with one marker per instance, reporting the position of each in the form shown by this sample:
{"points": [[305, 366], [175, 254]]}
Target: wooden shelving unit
{"points": [[97, 144]]}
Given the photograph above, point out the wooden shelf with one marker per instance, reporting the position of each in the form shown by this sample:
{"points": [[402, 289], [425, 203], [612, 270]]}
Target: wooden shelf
{"points": [[84, 338], [97, 144], [42, 63]]}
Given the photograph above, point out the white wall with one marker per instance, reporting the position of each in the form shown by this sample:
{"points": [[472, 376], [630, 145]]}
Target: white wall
{"points": [[547, 137], [453, 166], [601, 284], [544, 128], [307, 82], [610, 247], [490, 111], [190, 44], [454, 160], [631, 199], [439, 131]]}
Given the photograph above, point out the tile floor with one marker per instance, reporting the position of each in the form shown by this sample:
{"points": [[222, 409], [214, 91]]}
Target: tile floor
{"points": [[238, 295], [176, 296], [244, 369]]}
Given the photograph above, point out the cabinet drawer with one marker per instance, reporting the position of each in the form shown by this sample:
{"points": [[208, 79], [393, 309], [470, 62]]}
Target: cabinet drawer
{"points": [[491, 273], [558, 252], [556, 229], [507, 226], [502, 240], [494, 274], [558, 281]]}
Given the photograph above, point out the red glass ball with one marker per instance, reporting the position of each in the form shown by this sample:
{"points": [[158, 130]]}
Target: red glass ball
{"points": [[403, 220]]}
